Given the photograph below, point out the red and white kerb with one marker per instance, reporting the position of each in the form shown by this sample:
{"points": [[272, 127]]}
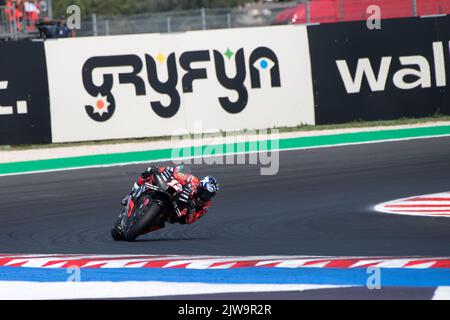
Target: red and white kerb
{"points": [[431, 205]]}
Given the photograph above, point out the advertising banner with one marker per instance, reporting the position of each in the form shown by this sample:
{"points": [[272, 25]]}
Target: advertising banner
{"points": [[400, 70], [163, 84], [24, 97]]}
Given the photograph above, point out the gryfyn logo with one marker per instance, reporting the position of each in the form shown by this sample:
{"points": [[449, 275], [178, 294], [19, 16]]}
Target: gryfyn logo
{"points": [[261, 59], [421, 73], [21, 106]]}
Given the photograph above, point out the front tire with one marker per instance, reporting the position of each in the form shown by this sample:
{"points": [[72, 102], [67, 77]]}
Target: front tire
{"points": [[141, 220], [117, 233]]}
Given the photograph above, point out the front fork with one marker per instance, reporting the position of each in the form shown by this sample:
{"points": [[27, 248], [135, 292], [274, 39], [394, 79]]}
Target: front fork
{"points": [[123, 217]]}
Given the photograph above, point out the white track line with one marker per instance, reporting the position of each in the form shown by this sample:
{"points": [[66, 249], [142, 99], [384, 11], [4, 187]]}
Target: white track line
{"points": [[442, 293], [21, 290]]}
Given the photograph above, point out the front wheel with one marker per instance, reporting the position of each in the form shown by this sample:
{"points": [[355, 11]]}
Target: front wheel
{"points": [[142, 219], [116, 232]]}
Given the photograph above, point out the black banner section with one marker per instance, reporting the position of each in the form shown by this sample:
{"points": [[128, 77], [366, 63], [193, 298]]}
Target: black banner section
{"points": [[400, 70], [24, 95]]}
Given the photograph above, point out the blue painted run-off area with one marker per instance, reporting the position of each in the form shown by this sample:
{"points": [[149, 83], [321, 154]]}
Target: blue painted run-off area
{"points": [[358, 277]]}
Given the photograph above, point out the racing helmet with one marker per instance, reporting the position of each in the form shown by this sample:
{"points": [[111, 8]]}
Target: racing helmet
{"points": [[207, 188]]}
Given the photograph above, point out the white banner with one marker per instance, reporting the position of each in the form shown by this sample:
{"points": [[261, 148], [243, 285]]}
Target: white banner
{"points": [[156, 84]]}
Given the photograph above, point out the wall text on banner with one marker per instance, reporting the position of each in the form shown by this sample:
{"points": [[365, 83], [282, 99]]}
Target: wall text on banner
{"points": [[24, 97], [153, 84], [363, 74]]}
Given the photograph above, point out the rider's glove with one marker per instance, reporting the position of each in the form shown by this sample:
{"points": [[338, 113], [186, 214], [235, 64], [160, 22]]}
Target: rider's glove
{"points": [[149, 172]]}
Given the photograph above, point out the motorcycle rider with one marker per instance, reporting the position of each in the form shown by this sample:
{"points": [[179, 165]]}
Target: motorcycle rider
{"points": [[194, 197]]}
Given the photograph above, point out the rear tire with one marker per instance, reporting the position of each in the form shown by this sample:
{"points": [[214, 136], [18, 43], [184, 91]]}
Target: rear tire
{"points": [[138, 225]]}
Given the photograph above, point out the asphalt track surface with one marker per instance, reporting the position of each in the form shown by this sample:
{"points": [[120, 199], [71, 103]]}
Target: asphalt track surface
{"points": [[320, 203]]}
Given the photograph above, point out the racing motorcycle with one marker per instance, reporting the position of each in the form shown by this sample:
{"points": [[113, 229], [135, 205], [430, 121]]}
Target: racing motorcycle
{"points": [[150, 205]]}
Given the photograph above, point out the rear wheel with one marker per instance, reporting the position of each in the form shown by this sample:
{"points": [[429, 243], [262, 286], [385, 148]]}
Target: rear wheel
{"points": [[142, 218]]}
